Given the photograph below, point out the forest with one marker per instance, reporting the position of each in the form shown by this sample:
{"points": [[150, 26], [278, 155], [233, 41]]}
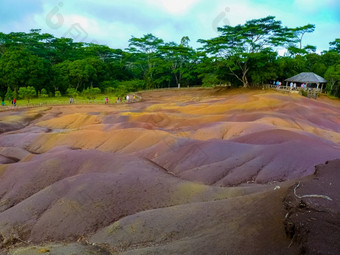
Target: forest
{"points": [[240, 56]]}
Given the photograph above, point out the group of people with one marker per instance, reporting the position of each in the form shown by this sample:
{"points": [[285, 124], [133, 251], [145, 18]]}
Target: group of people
{"points": [[292, 86], [118, 99], [277, 83], [127, 99], [14, 102]]}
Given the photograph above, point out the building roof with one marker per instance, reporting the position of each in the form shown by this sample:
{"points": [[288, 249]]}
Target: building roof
{"points": [[307, 77]]}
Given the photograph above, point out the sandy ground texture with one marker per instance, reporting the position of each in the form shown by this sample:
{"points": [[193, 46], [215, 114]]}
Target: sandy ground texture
{"points": [[192, 171]]}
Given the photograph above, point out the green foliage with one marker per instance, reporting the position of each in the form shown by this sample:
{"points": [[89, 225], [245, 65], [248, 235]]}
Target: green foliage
{"points": [[125, 87], [72, 92], [27, 93], [60, 73], [81, 73], [210, 80], [241, 55], [109, 90], [20, 67], [91, 93], [57, 94], [43, 93], [303, 93], [237, 45], [335, 45], [108, 86], [332, 75], [9, 94]]}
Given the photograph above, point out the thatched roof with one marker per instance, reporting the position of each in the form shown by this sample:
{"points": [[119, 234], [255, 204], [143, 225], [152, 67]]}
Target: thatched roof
{"points": [[307, 77]]}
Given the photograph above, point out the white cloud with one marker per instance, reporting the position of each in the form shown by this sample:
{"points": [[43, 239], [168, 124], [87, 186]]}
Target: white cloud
{"points": [[114, 22], [174, 6]]}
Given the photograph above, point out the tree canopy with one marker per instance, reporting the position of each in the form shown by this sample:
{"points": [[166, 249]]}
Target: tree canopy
{"points": [[242, 55]]}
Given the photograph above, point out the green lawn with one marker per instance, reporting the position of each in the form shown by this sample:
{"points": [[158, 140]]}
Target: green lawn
{"points": [[63, 100]]}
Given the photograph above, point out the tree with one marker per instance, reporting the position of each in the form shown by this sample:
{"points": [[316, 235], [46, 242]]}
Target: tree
{"points": [[72, 92], [60, 73], [335, 45], [236, 45], [9, 94], [178, 58], [299, 33], [43, 93], [210, 80], [91, 93], [20, 68], [81, 73], [263, 66], [146, 48], [27, 93], [332, 75]]}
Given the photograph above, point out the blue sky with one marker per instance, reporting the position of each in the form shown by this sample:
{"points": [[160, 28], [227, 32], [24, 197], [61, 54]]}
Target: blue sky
{"points": [[113, 22]]}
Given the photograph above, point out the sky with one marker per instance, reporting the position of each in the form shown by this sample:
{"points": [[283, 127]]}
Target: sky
{"points": [[114, 22]]}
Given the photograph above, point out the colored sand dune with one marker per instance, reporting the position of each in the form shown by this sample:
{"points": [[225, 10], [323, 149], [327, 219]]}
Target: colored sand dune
{"points": [[199, 171]]}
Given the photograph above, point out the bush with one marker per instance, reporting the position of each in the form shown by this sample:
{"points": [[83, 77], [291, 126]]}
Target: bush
{"points": [[72, 92], [57, 94], [125, 87], [210, 80], [9, 94], [109, 90], [43, 93], [107, 85], [27, 93], [91, 93], [303, 93]]}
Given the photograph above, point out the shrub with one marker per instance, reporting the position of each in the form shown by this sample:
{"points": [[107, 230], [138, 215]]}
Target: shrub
{"points": [[57, 94], [9, 94], [303, 93], [72, 92], [43, 93], [210, 80], [91, 93], [27, 93], [109, 90]]}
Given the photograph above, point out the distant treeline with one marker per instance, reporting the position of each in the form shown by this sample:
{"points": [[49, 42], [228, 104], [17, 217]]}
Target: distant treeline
{"points": [[243, 55]]}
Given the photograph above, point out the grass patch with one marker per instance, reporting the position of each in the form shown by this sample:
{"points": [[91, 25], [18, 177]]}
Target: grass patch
{"points": [[100, 99]]}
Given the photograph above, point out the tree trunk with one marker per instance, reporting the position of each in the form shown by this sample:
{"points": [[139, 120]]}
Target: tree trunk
{"points": [[244, 78]]}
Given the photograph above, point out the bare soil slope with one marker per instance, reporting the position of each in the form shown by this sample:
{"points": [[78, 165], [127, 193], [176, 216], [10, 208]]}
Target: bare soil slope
{"points": [[192, 171]]}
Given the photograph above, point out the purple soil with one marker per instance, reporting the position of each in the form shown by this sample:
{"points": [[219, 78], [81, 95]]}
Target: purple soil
{"points": [[226, 163], [76, 192], [313, 221], [205, 174]]}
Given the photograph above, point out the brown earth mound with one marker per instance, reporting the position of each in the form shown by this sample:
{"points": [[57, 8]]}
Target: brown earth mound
{"points": [[192, 171], [313, 211]]}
